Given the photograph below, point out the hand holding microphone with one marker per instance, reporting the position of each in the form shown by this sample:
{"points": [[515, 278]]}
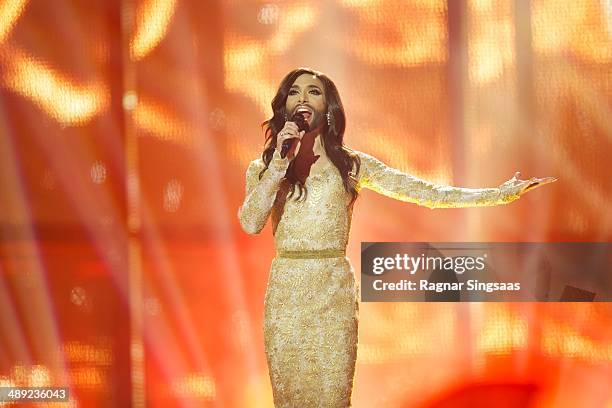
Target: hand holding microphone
{"points": [[291, 133]]}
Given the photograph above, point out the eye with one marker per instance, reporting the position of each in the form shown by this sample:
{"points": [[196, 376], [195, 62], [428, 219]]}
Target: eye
{"points": [[316, 92], [292, 92]]}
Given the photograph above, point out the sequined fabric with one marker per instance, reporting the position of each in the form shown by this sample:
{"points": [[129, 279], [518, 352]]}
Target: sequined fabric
{"points": [[311, 304]]}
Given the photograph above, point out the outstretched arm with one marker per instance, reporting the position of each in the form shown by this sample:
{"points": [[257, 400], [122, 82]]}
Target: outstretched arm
{"points": [[260, 193], [393, 183]]}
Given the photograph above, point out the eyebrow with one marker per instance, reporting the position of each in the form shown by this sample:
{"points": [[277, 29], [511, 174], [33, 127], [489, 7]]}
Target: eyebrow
{"points": [[309, 86]]}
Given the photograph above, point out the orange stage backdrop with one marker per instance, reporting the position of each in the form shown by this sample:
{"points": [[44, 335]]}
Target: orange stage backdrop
{"points": [[125, 131]]}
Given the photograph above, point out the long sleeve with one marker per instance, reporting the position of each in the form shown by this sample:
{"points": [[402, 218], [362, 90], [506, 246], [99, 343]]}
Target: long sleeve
{"points": [[260, 193], [377, 176]]}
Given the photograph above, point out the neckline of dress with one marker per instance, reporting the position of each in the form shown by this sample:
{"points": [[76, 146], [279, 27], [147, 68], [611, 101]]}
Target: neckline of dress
{"points": [[321, 172]]}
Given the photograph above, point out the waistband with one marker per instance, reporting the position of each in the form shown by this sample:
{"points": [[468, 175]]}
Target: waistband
{"points": [[312, 254]]}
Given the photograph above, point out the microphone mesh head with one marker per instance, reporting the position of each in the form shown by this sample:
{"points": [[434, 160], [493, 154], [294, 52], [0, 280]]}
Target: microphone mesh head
{"points": [[300, 121]]}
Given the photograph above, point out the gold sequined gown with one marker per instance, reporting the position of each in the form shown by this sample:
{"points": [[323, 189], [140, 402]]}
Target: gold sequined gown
{"points": [[311, 302]]}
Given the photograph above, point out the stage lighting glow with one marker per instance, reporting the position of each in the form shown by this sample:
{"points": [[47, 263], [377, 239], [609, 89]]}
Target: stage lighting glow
{"points": [[152, 21], [563, 341], [502, 331], [5, 382], [27, 376], [607, 12], [98, 172], [576, 28], [173, 194], [519, 102], [410, 41], [78, 296], [158, 122], [40, 376], [10, 11], [90, 378], [268, 14], [197, 385], [78, 352], [257, 393], [491, 40], [244, 59], [401, 157], [292, 22], [216, 119], [130, 99], [243, 54], [406, 331], [57, 95], [360, 3]]}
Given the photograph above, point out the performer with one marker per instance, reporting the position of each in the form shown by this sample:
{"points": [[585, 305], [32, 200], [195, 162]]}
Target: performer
{"points": [[311, 302]]}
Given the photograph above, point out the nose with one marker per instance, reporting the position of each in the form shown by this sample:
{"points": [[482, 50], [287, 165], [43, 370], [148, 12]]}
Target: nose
{"points": [[303, 97]]}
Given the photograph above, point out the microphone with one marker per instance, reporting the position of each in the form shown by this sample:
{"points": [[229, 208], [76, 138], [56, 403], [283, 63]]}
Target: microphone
{"points": [[302, 124]]}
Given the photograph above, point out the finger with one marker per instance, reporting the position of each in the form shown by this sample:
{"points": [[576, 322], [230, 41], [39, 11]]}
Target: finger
{"points": [[538, 182], [302, 133], [286, 132], [291, 125], [517, 175], [542, 181], [546, 180], [286, 135], [532, 186]]}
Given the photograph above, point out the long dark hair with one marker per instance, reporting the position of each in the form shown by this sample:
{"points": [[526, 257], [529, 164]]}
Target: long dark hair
{"points": [[345, 159]]}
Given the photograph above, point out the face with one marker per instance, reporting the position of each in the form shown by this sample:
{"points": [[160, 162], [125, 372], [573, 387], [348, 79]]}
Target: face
{"points": [[307, 95]]}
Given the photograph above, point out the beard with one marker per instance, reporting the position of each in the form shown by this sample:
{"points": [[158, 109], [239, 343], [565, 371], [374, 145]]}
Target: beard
{"points": [[317, 120]]}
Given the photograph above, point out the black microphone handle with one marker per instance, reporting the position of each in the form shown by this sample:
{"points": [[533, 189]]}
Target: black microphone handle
{"points": [[302, 125], [286, 146]]}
